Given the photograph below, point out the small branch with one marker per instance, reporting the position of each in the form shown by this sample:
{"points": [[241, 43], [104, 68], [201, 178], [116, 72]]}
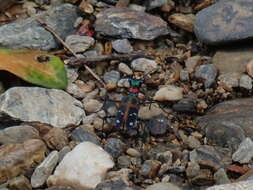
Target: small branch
{"points": [[119, 57], [48, 28]]}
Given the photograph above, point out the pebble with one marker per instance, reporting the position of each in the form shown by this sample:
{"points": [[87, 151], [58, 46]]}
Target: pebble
{"points": [[124, 161], [192, 62], [133, 152], [42, 105], [192, 169], [244, 153], [72, 73], [92, 105], [82, 135], [186, 105], [75, 91], [56, 138], [89, 119], [232, 60], [184, 75], [221, 177], [169, 93], [183, 21], [147, 112], [130, 24], [113, 185], [158, 125], [111, 77], [122, 46], [80, 170], [124, 83], [44, 170], [245, 185], [229, 80], [125, 69], [63, 152], [79, 43], [228, 123], [150, 168], [20, 157], [19, 183], [18, 134], [216, 24], [115, 147], [245, 82], [204, 177], [193, 142], [29, 34], [144, 65], [165, 157], [208, 73], [163, 186], [122, 174]]}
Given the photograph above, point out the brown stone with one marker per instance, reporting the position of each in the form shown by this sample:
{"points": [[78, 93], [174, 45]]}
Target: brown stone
{"points": [[20, 183], [204, 177], [17, 158], [183, 21], [56, 138]]}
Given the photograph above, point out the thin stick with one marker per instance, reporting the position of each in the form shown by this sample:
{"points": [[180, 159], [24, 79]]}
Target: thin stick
{"points": [[48, 28]]}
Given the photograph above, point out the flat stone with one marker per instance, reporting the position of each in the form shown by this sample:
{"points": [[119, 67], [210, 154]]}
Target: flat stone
{"points": [[208, 73], [18, 134], [79, 43], [242, 185], [225, 21], [163, 186], [75, 90], [158, 125], [56, 138], [82, 135], [144, 65], [186, 105], [125, 69], [115, 147], [122, 46], [169, 93], [244, 153], [29, 34], [44, 170], [183, 21], [20, 183], [111, 77], [126, 23], [92, 105], [233, 59], [42, 105], [82, 168], [133, 152], [228, 123], [20, 157]]}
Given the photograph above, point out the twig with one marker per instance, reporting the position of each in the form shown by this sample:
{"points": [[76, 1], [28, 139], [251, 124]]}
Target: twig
{"points": [[48, 28], [120, 57]]}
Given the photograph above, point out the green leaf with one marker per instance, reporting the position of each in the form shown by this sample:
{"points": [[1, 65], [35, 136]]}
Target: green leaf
{"points": [[37, 67]]}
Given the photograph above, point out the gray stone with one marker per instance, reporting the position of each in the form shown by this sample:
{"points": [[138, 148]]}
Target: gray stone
{"points": [[244, 153], [193, 142], [221, 177], [144, 65], [75, 90], [245, 82], [152, 4], [29, 34], [150, 168], [125, 69], [63, 152], [126, 23], [111, 77], [208, 73], [113, 185], [192, 169], [186, 105], [229, 80], [115, 147], [44, 170], [165, 157], [242, 185], [233, 59], [42, 105], [133, 152], [122, 46], [124, 83], [163, 186], [124, 161], [158, 125], [18, 134], [184, 75], [227, 123], [225, 21], [79, 43], [82, 135]]}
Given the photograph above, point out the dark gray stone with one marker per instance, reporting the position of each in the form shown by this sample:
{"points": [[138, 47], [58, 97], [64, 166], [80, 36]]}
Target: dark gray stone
{"points": [[186, 105], [111, 77], [124, 161], [225, 21], [122, 46], [42, 105], [158, 125], [115, 147], [29, 34], [227, 123], [208, 73], [150, 168], [126, 23], [81, 135]]}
